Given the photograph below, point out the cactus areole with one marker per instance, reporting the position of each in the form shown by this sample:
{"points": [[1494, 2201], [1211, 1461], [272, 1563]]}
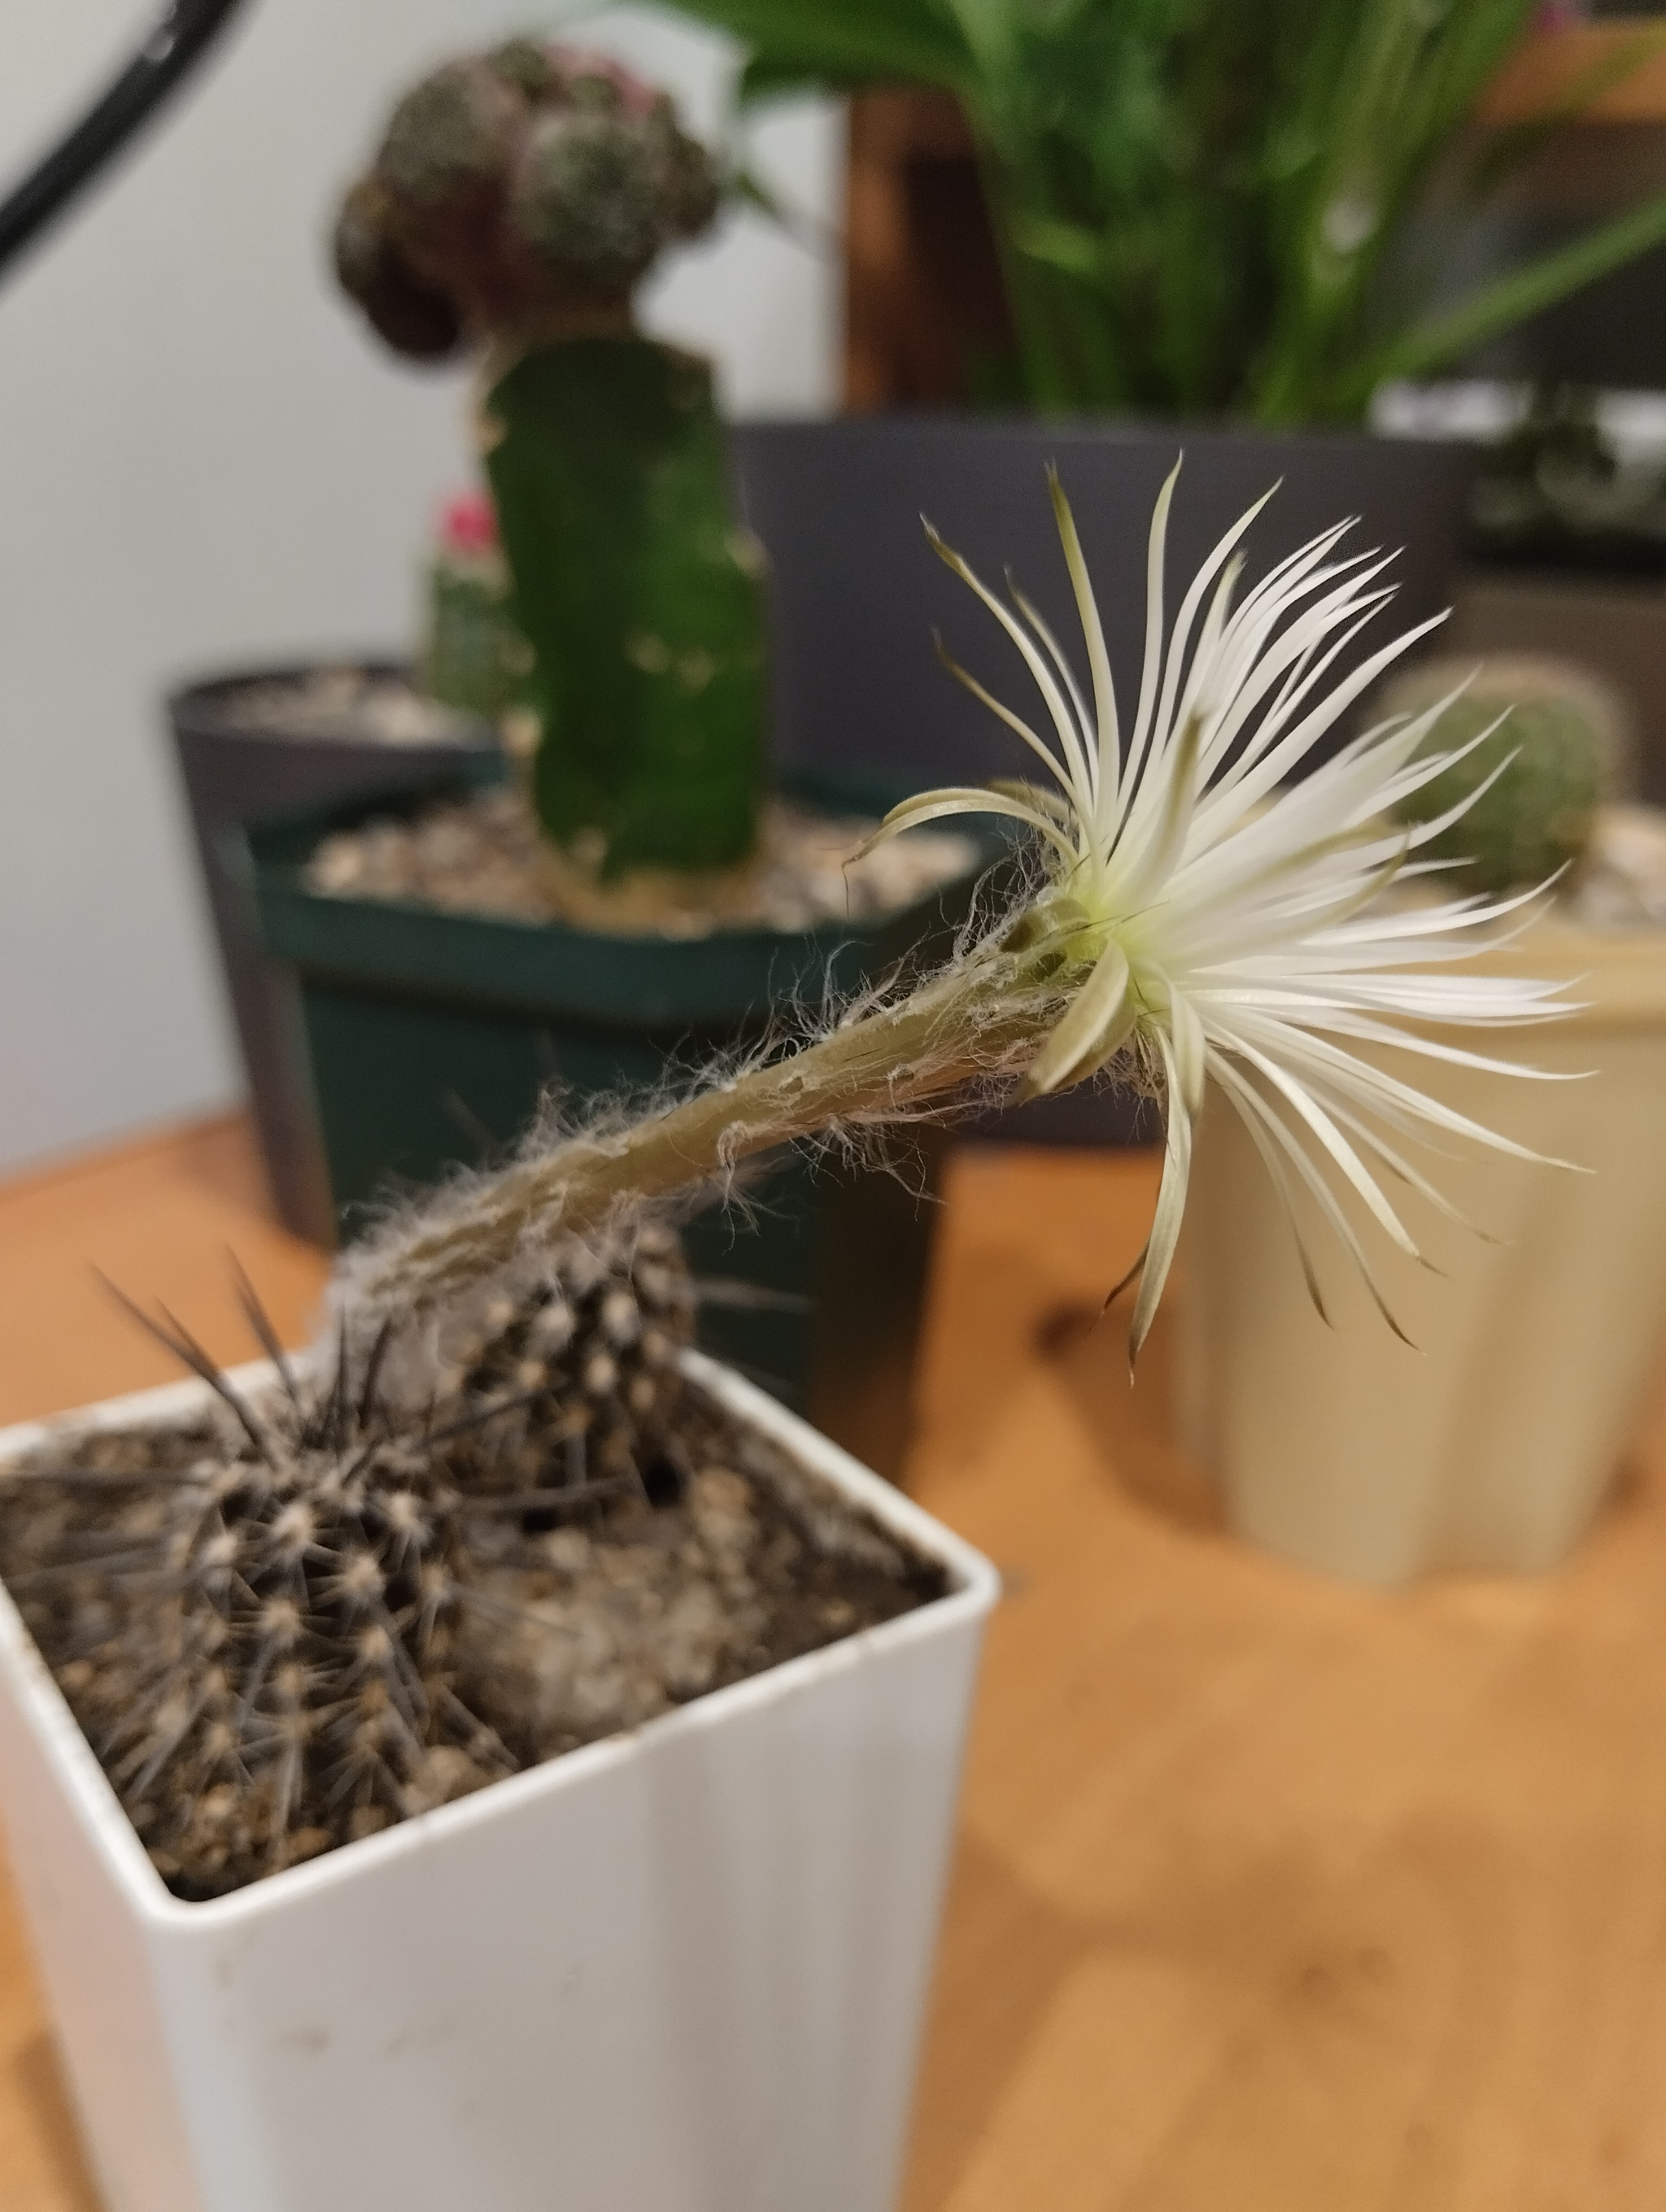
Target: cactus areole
{"points": [[517, 199]]}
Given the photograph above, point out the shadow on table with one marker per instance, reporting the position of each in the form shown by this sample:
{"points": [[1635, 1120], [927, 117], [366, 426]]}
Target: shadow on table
{"points": [[1087, 1351]]}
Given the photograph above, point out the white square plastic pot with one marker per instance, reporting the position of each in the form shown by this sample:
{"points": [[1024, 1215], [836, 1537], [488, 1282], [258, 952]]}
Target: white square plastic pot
{"points": [[1490, 1445], [682, 1970]]}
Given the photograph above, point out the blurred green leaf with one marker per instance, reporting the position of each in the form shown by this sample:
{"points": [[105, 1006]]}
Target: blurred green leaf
{"points": [[843, 42], [1194, 199], [1511, 299]]}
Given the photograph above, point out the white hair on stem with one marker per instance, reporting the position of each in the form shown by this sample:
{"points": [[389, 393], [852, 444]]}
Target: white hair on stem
{"points": [[1196, 915]]}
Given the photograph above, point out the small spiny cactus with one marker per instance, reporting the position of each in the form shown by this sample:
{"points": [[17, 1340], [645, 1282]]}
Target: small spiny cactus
{"points": [[474, 657], [1558, 749], [262, 1639]]}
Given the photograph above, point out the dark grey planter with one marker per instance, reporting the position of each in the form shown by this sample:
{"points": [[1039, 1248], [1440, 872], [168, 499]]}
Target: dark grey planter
{"points": [[858, 592], [229, 772]]}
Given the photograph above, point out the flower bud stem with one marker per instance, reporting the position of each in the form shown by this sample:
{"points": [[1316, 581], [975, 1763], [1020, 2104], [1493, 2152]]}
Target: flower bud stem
{"points": [[981, 1019]]}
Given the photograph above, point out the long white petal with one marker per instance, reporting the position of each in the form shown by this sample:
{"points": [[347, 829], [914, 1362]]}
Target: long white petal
{"points": [[1171, 1207], [1336, 1144], [1058, 707], [1085, 1032], [970, 799], [1190, 1049], [1098, 659], [1175, 662], [1015, 723], [1340, 1226], [1066, 676], [1151, 674], [1279, 1177]]}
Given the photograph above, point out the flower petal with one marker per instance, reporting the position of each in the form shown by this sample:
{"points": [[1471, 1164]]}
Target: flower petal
{"points": [[1170, 1206], [1016, 723], [1070, 738], [1340, 1226], [1336, 1144], [1098, 660], [1091, 1021], [1279, 1177], [1190, 1049], [966, 799]]}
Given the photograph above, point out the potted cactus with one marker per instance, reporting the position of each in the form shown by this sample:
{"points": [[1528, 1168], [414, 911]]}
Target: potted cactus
{"points": [[669, 899], [599, 1866], [502, 1757], [1487, 1431]]}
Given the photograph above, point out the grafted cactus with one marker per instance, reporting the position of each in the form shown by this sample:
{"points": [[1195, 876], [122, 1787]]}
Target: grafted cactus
{"points": [[517, 199]]}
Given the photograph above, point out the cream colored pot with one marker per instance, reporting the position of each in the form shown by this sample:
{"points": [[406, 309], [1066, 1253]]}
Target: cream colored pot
{"points": [[1493, 1443]]}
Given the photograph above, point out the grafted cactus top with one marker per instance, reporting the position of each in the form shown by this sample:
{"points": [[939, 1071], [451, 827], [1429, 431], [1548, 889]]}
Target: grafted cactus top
{"points": [[519, 195]]}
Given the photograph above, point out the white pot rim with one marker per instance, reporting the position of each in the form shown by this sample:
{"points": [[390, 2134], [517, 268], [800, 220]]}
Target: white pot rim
{"points": [[976, 1586]]}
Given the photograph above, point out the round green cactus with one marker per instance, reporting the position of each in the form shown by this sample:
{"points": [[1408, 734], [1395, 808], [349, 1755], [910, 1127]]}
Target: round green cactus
{"points": [[1553, 737]]}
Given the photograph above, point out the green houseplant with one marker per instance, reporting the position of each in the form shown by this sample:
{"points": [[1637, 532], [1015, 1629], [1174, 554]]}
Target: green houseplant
{"points": [[1194, 202]]}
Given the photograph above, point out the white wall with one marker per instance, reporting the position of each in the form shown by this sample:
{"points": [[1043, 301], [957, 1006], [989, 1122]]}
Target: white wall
{"points": [[204, 459]]}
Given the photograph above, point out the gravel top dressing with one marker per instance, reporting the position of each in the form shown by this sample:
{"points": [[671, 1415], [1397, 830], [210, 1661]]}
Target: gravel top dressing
{"points": [[484, 855], [353, 706]]}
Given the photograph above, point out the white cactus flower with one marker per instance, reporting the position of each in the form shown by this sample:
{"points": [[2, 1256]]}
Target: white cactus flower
{"points": [[1227, 919], [1200, 916]]}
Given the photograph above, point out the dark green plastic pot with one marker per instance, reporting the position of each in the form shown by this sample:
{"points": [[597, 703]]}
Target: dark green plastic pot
{"points": [[433, 1037]]}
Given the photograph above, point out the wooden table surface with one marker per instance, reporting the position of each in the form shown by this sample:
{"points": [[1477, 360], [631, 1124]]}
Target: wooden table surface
{"points": [[1272, 1896]]}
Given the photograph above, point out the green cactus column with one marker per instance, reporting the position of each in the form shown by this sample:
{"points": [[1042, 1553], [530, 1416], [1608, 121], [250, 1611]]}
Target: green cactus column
{"points": [[642, 600]]}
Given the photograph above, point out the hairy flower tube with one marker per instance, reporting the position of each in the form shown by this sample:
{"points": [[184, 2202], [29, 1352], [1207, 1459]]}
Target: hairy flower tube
{"points": [[1198, 915]]}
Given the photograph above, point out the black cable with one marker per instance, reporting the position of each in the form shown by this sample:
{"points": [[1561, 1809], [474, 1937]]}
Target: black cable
{"points": [[168, 55]]}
